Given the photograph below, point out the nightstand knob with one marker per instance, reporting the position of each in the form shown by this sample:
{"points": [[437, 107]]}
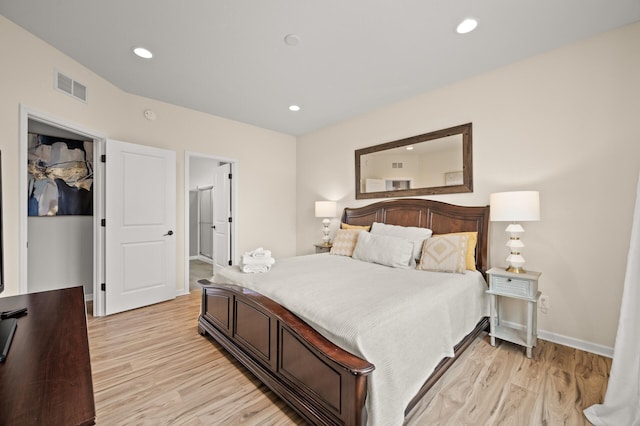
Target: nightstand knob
{"points": [[508, 279]]}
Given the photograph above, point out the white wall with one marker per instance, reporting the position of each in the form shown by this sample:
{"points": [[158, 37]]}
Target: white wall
{"points": [[563, 123], [60, 253], [27, 78], [202, 171]]}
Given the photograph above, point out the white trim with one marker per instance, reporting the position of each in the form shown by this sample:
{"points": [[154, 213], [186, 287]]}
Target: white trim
{"points": [[235, 170], [568, 341], [205, 259], [26, 113]]}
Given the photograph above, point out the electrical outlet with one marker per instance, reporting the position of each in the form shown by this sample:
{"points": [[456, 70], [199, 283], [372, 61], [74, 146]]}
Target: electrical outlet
{"points": [[544, 304]]}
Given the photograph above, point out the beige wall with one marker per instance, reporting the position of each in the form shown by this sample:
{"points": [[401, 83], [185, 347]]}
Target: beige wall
{"points": [[266, 197], [563, 123]]}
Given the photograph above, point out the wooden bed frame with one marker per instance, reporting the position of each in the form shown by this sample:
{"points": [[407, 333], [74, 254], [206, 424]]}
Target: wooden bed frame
{"points": [[322, 382]]}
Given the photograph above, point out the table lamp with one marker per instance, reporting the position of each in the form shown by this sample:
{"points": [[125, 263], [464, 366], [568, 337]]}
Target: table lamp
{"points": [[325, 209], [516, 206]]}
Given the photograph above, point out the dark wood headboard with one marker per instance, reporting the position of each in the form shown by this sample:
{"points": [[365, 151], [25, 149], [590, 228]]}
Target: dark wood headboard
{"points": [[441, 218]]}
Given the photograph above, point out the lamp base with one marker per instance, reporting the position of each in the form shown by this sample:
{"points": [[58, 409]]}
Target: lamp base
{"points": [[516, 269]]}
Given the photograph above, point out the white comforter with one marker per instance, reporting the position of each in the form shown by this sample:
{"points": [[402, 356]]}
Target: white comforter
{"points": [[402, 321]]}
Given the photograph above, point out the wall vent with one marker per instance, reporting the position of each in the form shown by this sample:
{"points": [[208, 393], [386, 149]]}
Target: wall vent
{"points": [[71, 87], [396, 165]]}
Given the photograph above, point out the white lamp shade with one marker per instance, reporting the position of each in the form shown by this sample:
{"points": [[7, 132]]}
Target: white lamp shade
{"points": [[516, 206], [325, 209]]}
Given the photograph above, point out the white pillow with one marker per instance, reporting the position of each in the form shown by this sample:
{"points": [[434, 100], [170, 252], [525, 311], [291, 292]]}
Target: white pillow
{"points": [[385, 250], [412, 233]]}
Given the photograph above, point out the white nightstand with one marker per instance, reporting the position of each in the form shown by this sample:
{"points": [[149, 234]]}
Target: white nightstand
{"points": [[323, 248], [522, 287]]}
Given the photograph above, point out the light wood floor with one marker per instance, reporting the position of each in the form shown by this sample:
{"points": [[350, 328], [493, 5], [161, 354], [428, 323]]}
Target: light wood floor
{"points": [[150, 366]]}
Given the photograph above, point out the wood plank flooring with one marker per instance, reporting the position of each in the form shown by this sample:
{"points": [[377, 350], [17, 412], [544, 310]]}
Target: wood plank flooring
{"points": [[150, 366]]}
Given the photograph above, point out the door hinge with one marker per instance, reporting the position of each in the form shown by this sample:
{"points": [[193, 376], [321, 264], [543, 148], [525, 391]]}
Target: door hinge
{"points": [[103, 222], [103, 158], [103, 287], [229, 263], [230, 220], [230, 175]]}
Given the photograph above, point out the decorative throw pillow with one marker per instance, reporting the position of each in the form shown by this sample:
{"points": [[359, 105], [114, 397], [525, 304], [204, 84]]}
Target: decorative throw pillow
{"points": [[444, 253], [385, 250], [412, 233], [344, 242], [471, 248], [347, 226]]}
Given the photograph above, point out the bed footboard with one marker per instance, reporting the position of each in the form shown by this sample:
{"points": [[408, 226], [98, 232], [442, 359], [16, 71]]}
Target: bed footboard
{"points": [[322, 382]]}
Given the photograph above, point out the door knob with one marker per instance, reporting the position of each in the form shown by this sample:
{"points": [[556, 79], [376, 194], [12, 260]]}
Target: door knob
{"points": [[168, 233]]}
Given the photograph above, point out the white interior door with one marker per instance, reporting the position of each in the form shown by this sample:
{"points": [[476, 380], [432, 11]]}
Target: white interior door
{"points": [[222, 216], [140, 214]]}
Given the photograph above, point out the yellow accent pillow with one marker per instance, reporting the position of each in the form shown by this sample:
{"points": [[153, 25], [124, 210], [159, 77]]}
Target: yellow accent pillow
{"points": [[471, 248], [347, 226]]}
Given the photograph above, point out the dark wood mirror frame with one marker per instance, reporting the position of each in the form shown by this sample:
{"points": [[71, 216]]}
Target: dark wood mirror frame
{"points": [[467, 164]]}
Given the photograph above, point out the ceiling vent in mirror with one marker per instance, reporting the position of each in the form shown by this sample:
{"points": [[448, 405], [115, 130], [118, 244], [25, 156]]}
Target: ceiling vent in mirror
{"points": [[397, 165], [71, 87]]}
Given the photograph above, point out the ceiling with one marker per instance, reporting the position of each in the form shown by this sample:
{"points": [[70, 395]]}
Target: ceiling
{"points": [[229, 58]]}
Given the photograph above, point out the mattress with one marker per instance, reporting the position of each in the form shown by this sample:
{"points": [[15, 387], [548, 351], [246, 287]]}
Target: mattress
{"points": [[402, 321]]}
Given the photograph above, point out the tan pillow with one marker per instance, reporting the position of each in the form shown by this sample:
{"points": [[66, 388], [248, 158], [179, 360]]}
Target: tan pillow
{"points": [[347, 226], [444, 253], [344, 242], [471, 248]]}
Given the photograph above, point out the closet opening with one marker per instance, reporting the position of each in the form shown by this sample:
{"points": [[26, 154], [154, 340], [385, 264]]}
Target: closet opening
{"points": [[60, 210]]}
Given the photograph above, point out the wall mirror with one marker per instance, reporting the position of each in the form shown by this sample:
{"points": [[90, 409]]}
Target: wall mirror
{"points": [[438, 162]]}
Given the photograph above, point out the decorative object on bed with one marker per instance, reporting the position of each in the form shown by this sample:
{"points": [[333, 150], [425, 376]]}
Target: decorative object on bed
{"points": [[257, 261], [295, 358], [384, 250], [327, 210], [414, 234], [471, 249], [515, 206], [345, 241], [445, 253], [393, 170], [347, 226]]}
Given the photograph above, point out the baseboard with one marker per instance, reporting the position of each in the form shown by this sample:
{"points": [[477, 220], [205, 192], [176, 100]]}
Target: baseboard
{"points": [[88, 297], [204, 259], [568, 341], [193, 257]]}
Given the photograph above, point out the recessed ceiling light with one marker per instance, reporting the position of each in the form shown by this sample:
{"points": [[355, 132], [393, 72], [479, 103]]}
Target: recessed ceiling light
{"points": [[294, 108], [142, 52], [467, 26], [409, 148]]}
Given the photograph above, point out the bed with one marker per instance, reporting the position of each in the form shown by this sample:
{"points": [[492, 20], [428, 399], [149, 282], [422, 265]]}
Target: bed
{"points": [[297, 359]]}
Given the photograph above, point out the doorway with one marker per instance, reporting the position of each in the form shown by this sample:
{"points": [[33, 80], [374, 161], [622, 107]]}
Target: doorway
{"points": [[36, 121], [201, 206], [60, 209]]}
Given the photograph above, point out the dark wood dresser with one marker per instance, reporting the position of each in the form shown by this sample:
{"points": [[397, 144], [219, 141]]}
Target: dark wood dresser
{"points": [[46, 378]]}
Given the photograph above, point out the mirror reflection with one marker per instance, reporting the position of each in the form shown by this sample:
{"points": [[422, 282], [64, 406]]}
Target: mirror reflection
{"points": [[433, 163]]}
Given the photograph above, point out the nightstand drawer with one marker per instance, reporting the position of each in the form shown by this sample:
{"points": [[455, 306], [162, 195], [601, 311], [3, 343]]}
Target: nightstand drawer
{"points": [[513, 286]]}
